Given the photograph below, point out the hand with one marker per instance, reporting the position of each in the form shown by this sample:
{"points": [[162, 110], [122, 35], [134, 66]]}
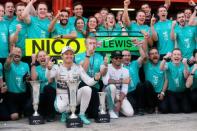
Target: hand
{"points": [[106, 61], [145, 34], [126, 81], [153, 20], [191, 3], [184, 61], [195, 67], [25, 1], [160, 96], [174, 23], [33, 1], [18, 27], [33, 58], [49, 62], [118, 106], [168, 55], [97, 76], [58, 15], [127, 3]]}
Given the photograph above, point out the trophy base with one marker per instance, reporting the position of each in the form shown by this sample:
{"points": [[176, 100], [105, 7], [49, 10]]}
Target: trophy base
{"points": [[36, 120], [74, 123], [103, 118]]}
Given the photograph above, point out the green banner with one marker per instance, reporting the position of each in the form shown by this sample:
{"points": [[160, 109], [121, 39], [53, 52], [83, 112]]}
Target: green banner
{"points": [[107, 44]]}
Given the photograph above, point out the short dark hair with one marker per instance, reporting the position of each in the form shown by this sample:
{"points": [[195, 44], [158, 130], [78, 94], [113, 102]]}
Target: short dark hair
{"points": [[180, 12], [20, 4], [9, 1], [194, 52], [152, 48], [64, 10], [76, 4], [42, 2], [104, 9], [176, 49], [139, 12], [161, 6]]}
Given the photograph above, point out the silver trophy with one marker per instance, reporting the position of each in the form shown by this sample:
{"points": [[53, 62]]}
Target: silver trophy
{"points": [[73, 83], [103, 116], [36, 118]]}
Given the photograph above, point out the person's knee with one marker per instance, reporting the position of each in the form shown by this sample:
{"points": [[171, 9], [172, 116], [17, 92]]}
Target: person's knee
{"points": [[112, 88], [87, 90], [14, 116]]}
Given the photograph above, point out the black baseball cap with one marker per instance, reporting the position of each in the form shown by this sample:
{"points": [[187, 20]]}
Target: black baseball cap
{"points": [[116, 54]]}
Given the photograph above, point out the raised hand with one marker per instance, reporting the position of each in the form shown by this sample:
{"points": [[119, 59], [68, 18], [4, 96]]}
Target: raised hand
{"points": [[18, 27], [174, 23], [127, 3], [153, 20], [33, 58], [97, 76]]}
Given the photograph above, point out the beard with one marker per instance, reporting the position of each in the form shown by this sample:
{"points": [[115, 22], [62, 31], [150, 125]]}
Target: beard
{"points": [[63, 23]]}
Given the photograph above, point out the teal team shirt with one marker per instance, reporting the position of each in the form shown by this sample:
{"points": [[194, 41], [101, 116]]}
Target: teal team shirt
{"points": [[41, 75], [62, 30], [1, 71], [175, 75], [164, 43], [8, 20], [80, 34], [114, 31], [4, 39], [135, 29], [186, 40], [21, 36], [38, 28], [14, 77], [133, 68], [71, 21], [154, 75], [95, 62], [194, 85]]}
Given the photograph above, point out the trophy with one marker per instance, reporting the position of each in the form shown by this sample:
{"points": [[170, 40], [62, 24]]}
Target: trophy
{"points": [[103, 116], [36, 119], [73, 121]]}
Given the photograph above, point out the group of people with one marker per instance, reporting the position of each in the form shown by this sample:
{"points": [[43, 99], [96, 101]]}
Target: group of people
{"points": [[160, 77]]}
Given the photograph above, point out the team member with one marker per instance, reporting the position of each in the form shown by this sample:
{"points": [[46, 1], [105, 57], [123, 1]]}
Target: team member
{"points": [[78, 12], [39, 24], [4, 49], [62, 29], [47, 88], [9, 12], [161, 32], [192, 83], [177, 73], [117, 80], [62, 74], [18, 29], [185, 36], [15, 74], [92, 62], [155, 85]]}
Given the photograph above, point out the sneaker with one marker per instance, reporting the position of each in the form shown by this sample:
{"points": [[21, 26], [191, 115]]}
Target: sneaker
{"points": [[113, 115], [140, 112], [50, 118], [64, 117], [84, 119]]}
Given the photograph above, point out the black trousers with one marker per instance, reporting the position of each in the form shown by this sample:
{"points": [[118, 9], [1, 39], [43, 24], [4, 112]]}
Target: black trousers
{"points": [[193, 99], [4, 113], [178, 102]]}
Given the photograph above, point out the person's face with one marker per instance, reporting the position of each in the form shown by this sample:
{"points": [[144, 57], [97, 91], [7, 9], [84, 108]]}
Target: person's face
{"points": [[119, 16], [64, 18], [17, 55], [50, 16], [104, 14], [99, 18], [188, 14], [19, 11], [154, 56], [146, 8], [117, 61], [9, 9], [91, 45], [162, 13], [126, 57], [1, 11], [181, 19], [80, 24], [140, 18], [176, 56], [92, 23], [78, 10], [68, 57], [42, 58], [110, 20], [42, 11]]}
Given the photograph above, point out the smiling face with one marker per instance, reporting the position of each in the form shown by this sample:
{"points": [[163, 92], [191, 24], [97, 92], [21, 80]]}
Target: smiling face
{"points": [[78, 10], [1, 11], [92, 23], [17, 55], [68, 57], [64, 18], [176, 56], [110, 20], [162, 13], [154, 56], [188, 14], [126, 57], [181, 19], [41, 58], [9, 9], [42, 11], [80, 24], [146, 8], [140, 17]]}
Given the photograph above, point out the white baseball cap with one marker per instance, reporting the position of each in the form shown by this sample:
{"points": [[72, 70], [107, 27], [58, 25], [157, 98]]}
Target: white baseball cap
{"points": [[67, 48]]}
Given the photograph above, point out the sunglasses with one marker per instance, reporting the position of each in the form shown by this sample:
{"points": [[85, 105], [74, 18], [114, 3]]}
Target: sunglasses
{"points": [[117, 58]]}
